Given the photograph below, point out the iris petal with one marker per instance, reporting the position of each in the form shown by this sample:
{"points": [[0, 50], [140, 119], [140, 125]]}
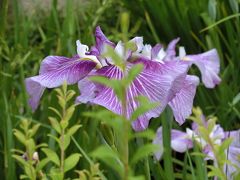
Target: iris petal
{"points": [[235, 135], [170, 51], [234, 157], [182, 103], [88, 91], [53, 72], [158, 53], [159, 140], [209, 66], [101, 40], [180, 141], [35, 91]]}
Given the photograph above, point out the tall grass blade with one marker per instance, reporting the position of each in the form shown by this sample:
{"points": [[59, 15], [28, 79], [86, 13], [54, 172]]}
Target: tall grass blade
{"points": [[167, 155], [9, 163]]}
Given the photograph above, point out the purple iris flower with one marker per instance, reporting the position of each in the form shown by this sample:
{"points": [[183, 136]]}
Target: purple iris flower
{"points": [[233, 153], [182, 141], [163, 79], [157, 87], [208, 63], [157, 82]]}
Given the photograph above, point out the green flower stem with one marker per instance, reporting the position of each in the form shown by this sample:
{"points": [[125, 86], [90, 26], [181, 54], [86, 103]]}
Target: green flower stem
{"points": [[200, 165], [140, 142], [167, 156], [62, 153], [125, 138], [63, 131]]}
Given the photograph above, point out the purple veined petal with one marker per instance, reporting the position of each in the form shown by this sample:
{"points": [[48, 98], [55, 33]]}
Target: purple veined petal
{"points": [[154, 86], [142, 122], [105, 96], [235, 135], [182, 103], [159, 141], [53, 72], [170, 51], [161, 82], [35, 92], [93, 51], [175, 72], [155, 50], [233, 155], [209, 66], [180, 141], [88, 91], [101, 40]]}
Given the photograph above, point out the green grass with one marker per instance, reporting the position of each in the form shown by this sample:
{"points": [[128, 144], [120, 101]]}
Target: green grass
{"points": [[26, 40]]}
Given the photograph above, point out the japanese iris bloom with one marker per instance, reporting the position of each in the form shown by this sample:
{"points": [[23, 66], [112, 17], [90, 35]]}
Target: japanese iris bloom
{"points": [[163, 79], [182, 141], [157, 83], [208, 63]]}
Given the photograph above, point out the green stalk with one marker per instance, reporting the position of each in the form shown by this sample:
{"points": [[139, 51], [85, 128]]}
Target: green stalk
{"points": [[151, 26], [191, 166], [167, 156], [147, 169], [125, 137], [200, 165], [62, 156], [9, 163], [24, 94], [3, 16], [16, 21], [62, 153], [140, 142], [156, 169]]}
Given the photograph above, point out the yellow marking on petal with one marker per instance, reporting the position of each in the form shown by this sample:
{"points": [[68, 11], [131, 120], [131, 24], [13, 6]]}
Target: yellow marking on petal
{"points": [[98, 64], [185, 59]]}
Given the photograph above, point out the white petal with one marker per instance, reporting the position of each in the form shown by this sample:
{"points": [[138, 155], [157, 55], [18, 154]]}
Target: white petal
{"points": [[147, 50], [182, 52], [81, 49]]}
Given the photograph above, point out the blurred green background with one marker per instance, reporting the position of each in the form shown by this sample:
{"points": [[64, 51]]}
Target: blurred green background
{"points": [[31, 30]]}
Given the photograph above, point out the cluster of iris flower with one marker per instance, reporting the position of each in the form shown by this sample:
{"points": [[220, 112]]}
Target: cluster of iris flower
{"points": [[182, 141], [163, 80]]}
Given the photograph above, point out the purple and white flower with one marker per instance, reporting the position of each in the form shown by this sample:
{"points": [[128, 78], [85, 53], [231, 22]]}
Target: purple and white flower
{"points": [[209, 66], [182, 141], [163, 79]]}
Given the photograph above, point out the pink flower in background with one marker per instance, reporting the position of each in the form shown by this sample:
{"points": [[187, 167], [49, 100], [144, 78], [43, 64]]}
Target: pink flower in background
{"points": [[182, 141]]}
